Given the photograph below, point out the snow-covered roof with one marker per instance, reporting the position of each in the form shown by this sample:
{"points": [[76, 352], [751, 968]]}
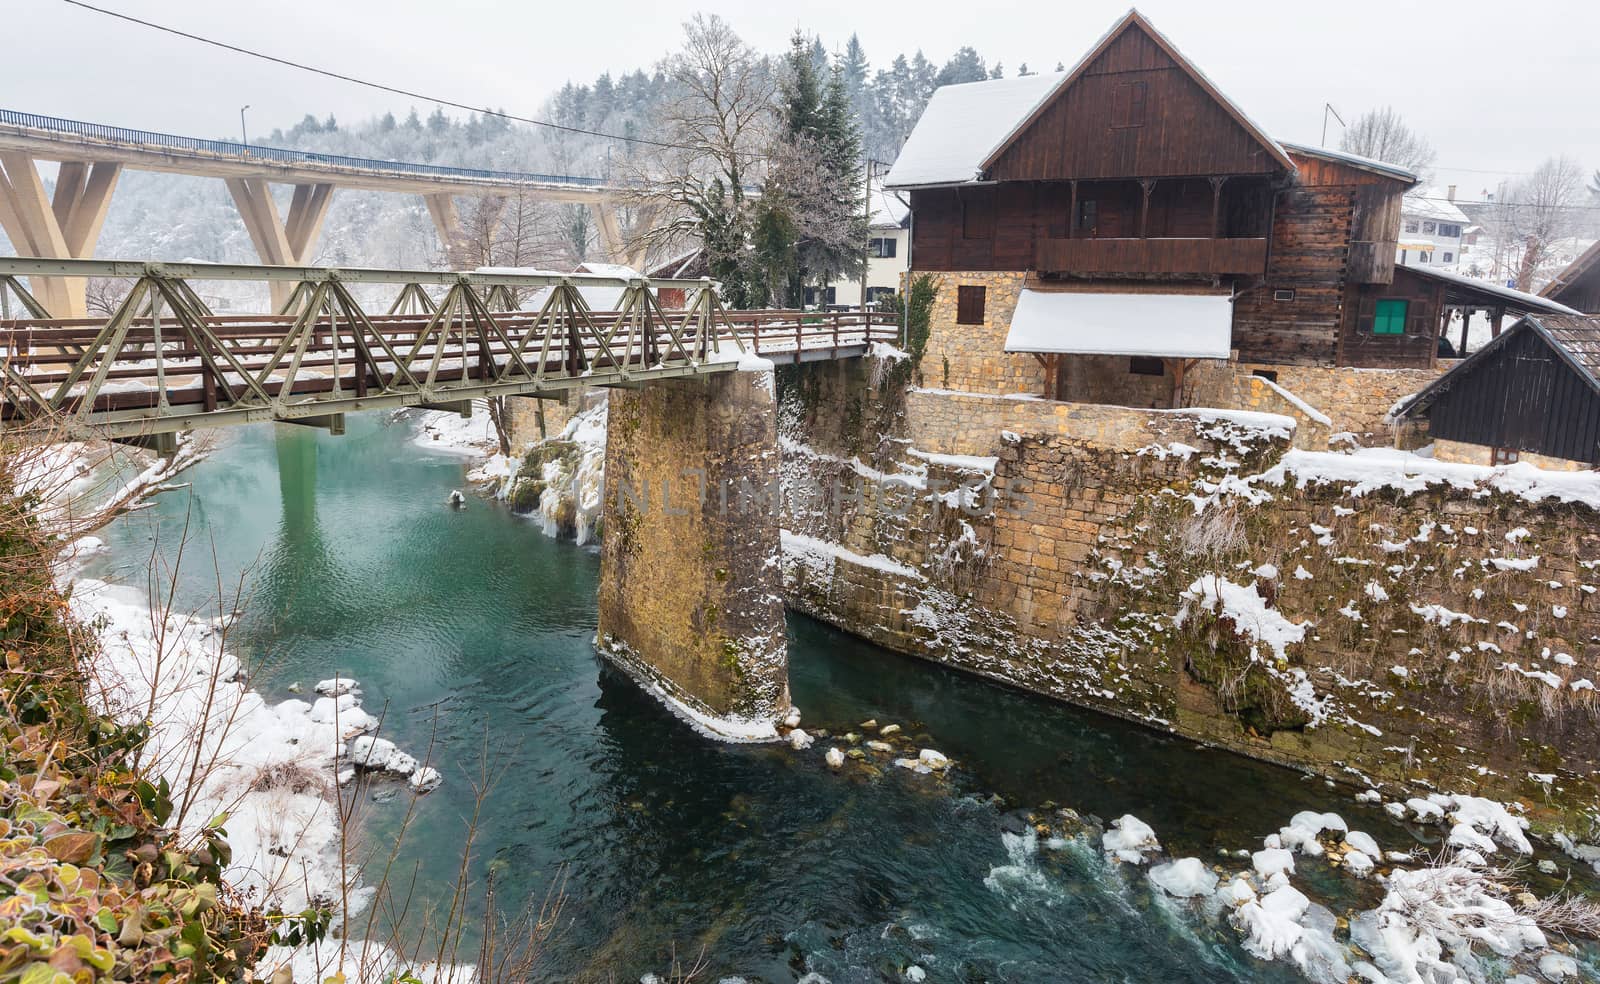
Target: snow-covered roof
{"points": [[962, 125], [887, 209], [1354, 160], [1430, 203], [966, 126], [621, 270], [1516, 299], [1186, 326]]}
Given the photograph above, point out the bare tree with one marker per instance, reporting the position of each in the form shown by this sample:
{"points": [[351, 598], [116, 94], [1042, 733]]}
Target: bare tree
{"points": [[718, 120], [103, 295], [1383, 136], [507, 231], [1542, 211]]}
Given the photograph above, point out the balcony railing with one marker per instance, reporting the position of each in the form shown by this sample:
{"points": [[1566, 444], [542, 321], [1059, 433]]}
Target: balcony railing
{"points": [[1145, 256]]}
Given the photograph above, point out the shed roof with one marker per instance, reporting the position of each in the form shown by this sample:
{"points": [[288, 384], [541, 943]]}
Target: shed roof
{"points": [[1461, 289], [965, 127], [1354, 160], [1574, 337], [1587, 264]]}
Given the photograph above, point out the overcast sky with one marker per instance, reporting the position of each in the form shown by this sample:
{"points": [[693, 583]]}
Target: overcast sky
{"points": [[1496, 87]]}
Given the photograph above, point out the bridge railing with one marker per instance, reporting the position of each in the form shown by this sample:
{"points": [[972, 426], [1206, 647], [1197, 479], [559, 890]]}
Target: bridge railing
{"points": [[145, 139], [163, 362]]}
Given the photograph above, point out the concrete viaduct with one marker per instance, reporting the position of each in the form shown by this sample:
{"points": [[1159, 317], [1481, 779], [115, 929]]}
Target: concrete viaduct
{"points": [[690, 600], [92, 156]]}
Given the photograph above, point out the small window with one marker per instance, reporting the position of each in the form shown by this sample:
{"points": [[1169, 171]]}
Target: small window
{"points": [[876, 294], [1429, 226], [1270, 375], [1411, 225], [969, 304], [1424, 257], [1389, 318], [1128, 104], [1283, 294], [1144, 365], [882, 248], [1451, 231], [1449, 258], [1504, 456]]}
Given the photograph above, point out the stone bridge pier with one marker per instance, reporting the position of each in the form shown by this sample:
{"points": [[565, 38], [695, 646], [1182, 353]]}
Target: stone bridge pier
{"points": [[691, 577]]}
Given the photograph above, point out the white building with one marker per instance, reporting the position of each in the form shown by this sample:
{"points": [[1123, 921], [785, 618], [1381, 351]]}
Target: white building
{"points": [[1431, 230], [888, 249]]}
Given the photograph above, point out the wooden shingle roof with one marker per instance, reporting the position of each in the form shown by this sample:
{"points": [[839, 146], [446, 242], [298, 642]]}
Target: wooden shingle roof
{"points": [[1579, 338]]}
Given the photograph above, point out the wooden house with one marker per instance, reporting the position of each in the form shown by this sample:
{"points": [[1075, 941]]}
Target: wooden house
{"points": [[1049, 209], [1578, 286], [1532, 394]]}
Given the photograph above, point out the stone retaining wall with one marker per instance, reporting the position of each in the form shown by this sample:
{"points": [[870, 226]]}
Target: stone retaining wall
{"points": [[1435, 648]]}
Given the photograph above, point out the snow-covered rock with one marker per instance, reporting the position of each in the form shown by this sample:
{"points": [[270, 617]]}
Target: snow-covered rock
{"points": [[1184, 878], [1364, 843], [933, 759], [798, 739], [1273, 866], [337, 687], [1130, 839], [1359, 863], [834, 758], [426, 779]]}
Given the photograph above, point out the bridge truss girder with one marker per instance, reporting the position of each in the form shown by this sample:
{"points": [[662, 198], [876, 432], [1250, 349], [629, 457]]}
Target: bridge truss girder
{"points": [[163, 362]]}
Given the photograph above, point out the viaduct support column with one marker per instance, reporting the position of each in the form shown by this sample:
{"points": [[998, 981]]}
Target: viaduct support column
{"points": [[279, 242], [64, 226], [691, 581]]}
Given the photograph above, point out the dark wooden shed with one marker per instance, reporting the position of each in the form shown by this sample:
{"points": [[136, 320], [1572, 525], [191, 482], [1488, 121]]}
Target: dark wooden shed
{"points": [[1534, 390]]}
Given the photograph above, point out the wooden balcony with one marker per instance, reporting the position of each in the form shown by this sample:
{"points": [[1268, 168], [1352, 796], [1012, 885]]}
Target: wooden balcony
{"points": [[1178, 257]]}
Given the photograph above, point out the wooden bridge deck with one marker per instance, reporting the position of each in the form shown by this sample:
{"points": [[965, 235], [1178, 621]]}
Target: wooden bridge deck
{"points": [[163, 363]]}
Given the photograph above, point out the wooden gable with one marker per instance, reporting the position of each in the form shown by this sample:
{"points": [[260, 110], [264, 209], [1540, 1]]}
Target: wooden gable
{"points": [[1134, 108]]}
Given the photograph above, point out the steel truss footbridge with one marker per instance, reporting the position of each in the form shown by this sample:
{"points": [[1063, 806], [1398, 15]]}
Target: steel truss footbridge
{"points": [[163, 362]]}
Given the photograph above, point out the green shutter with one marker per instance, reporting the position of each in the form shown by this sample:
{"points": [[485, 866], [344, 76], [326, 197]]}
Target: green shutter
{"points": [[1390, 317]]}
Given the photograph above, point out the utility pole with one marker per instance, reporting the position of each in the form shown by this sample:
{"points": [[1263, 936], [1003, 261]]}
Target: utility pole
{"points": [[243, 133], [867, 260]]}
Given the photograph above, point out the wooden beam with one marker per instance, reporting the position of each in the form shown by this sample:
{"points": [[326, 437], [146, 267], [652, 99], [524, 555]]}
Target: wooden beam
{"points": [[1147, 185]]}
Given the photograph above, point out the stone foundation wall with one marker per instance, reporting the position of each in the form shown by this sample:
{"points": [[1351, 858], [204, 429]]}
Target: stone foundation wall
{"points": [[689, 597], [973, 357], [1068, 553], [1355, 399], [1482, 454]]}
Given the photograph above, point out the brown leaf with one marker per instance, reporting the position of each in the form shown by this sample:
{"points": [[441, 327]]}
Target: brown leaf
{"points": [[73, 847]]}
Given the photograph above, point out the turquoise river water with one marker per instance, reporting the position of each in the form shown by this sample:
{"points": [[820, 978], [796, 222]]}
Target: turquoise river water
{"points": [[471, 629]]}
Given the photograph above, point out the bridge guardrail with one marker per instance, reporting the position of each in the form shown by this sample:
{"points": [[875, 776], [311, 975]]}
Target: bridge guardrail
{"points": [[149, 138]]}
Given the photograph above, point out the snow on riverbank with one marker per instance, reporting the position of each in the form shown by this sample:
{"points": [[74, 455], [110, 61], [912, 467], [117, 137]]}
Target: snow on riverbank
{"points": [[267, 772], [270, 769], [81, 485]]}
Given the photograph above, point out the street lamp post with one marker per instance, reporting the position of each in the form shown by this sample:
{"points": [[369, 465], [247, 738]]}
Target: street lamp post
{"points": [[245, 134]]}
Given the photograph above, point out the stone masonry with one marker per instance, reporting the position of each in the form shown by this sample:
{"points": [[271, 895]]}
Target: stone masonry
{"points": [[690, 585], [1448, 635]]}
